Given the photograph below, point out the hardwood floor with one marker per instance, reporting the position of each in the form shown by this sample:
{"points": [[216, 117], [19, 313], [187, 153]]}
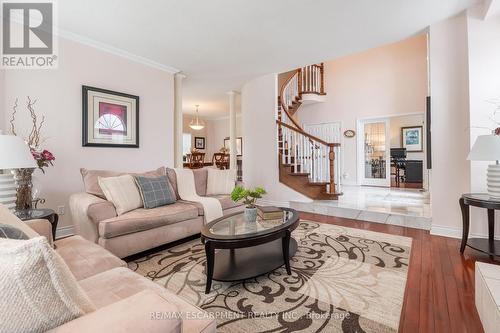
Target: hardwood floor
{"points": [[439, 293], [405, 185]]}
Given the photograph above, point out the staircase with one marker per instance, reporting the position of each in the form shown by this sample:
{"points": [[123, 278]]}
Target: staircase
{"points": [[307, 163]]}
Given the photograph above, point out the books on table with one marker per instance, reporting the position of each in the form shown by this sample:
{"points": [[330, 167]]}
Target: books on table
{"points": [[269, 212]]}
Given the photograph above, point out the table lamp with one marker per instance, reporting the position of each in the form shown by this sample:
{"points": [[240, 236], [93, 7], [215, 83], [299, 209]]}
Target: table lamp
{"points": [[487, 148], [16, 156]]}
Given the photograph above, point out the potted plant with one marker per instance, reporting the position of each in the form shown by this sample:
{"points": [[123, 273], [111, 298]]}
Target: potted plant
{"points": [[249, 197]]}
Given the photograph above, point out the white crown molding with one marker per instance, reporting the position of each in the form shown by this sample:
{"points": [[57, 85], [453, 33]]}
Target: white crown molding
{"points": [[438, 230], [115, 51]]}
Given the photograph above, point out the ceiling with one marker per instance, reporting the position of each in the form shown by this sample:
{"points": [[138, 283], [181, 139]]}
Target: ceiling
{"points": [[221, 44]]}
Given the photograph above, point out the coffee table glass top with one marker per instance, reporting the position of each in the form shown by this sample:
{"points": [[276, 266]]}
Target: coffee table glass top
{"points": [[236, 225]]}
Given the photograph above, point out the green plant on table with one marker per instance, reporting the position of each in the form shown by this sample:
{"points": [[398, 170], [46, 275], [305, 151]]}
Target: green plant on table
{"points": [[248, 196]]}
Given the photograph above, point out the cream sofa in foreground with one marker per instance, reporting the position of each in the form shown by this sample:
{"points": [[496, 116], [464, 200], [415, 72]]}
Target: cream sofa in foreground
{"points": [[142, 229], [125, 301]]}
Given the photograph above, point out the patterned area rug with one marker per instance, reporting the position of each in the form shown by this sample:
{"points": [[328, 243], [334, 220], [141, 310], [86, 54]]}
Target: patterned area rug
{"points": [[343, 280]]}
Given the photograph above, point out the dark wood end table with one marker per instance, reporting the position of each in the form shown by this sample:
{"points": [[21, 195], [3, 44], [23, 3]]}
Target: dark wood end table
{"points": [[32, 214], [248, 249], [488, 245]]}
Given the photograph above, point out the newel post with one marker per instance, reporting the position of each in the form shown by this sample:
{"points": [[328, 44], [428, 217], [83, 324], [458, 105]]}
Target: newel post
{"points": [[322, 73], [331, 156]]}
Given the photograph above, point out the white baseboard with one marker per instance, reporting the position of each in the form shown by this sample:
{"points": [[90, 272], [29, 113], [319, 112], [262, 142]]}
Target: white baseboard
{"points": [[273, 203], [438, 230], [65, 231]]}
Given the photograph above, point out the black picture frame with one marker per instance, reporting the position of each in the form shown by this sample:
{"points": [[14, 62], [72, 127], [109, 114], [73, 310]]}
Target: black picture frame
{"points": [[199, 142], [420, 144], [85, 118]]}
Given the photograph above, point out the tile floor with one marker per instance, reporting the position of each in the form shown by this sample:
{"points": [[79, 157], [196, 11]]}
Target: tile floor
{"points": [[397, 206]]}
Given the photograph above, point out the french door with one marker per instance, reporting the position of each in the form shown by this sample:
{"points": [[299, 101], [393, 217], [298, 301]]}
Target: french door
{"points": [[374, 164]]}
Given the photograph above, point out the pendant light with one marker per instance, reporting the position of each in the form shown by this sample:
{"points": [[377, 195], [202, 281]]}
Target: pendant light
{"points": [[196, 124]]}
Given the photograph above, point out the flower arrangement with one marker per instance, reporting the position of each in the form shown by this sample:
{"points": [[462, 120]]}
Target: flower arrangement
{"points": [[43, 159], [224, 150], [248, 196]]}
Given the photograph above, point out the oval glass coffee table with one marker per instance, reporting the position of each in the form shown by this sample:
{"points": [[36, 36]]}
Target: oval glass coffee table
{"points": [[248, 249]]}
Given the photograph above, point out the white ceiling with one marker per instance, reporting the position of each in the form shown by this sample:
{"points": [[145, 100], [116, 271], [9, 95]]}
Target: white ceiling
{"points": [[221, 44]]}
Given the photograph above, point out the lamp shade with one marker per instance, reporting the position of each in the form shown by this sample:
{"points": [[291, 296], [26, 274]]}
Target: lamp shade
{"points": [[15, 153], [486, 148]]}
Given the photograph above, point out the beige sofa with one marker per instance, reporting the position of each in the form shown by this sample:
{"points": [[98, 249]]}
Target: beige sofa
{"points": [[125, 301], [142, 229]]}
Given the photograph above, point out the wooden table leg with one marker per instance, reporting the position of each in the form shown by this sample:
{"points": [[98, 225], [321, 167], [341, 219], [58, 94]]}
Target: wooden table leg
{"points": [[285, 242], [465, 224], [209, 251], [491, 231], [54, 219]]}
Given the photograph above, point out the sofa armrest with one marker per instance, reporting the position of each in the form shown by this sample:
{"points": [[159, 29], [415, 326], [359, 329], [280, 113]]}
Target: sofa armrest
{"points": [[86, 211], [42, 227], [143, 312], [101, 211]]}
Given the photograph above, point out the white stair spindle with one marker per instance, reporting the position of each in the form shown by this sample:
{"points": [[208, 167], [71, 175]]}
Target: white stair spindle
{"points": [[288, 144], [295, 157], [317, 79], [314, 78], [283, 144]]}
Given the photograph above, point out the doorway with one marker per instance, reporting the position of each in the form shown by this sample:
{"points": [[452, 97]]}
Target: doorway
{"points": [[373, 152]]}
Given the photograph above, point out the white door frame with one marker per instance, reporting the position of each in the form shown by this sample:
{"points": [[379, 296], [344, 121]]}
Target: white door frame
{"points": [[361, 180]]}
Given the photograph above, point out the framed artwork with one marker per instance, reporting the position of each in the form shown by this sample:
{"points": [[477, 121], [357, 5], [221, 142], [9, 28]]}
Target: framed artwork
{"points": [[110, 118], [199, 142], [412, 138], [239, 145]]}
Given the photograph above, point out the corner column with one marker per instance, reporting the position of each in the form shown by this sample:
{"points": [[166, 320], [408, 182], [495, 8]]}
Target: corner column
{"points": [[178, 78], [232, 130]]}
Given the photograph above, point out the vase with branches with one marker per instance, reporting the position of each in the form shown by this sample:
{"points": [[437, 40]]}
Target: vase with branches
{"points": [[34, 140]]}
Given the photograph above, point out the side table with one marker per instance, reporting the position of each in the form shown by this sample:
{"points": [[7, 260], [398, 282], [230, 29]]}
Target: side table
{"points": [[32, 214], [486, 245]]}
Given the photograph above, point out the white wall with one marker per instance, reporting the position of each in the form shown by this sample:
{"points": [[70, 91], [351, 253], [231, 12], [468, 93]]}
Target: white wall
{"points": [[59, 95], [465, 74], [450, 121], [386, 81], [484, 85], [219, 130], [260, 154]]}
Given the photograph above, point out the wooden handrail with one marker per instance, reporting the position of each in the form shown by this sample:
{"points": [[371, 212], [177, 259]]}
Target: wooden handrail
{"points": [[283, 107], [312, 137]]}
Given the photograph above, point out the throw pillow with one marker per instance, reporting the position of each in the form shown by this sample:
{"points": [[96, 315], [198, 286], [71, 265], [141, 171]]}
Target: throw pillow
{"points": [[156, 191], [220, 181], [91, 183], [122, 192], [38, 290], [8, 231]]}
